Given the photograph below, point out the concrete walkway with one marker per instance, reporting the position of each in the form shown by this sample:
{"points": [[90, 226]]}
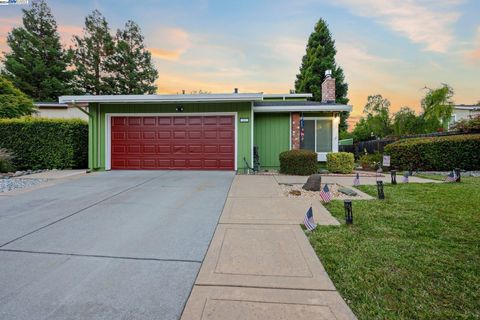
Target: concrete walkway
{"points": [[260, 264]]}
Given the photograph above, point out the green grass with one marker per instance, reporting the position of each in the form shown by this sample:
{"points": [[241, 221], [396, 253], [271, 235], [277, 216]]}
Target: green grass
{"points": [[414, 255]]}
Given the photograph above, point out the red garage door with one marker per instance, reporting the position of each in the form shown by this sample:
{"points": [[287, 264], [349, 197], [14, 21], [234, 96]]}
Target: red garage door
{"points": [[190, 142]]}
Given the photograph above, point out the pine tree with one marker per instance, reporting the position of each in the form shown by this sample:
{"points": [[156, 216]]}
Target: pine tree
{"points": [[37, 63], [90, 55], [131, 67], [320, 57]]}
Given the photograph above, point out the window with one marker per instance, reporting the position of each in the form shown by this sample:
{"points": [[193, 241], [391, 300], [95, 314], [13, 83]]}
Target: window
{"points": [[317, 135]]}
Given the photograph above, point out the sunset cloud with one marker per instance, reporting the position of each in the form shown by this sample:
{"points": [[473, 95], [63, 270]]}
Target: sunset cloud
{"points": [[172, 55], [422, 21], [473, 56]]}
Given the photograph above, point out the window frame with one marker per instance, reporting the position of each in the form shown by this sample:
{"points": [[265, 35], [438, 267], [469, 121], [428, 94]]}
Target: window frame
{"points": [[322, 156]]}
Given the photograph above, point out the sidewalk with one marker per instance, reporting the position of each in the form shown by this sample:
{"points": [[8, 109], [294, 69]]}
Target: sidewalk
{"points": [[260, 265]]}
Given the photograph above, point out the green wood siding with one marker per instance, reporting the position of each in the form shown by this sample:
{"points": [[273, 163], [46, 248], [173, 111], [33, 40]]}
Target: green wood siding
{"points": [[97, 128], [272, 136]]}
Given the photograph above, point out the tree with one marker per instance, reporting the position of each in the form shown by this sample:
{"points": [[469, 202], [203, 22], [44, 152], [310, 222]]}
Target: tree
{"points": [[37, 63], [377, 110], [405, 121], [90, 54], [437, 107], [362, 131], [13, 102], [130, 66], [320, 57]]}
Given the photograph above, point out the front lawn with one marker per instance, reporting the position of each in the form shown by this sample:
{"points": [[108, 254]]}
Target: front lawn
{"points": [[415, 255]]}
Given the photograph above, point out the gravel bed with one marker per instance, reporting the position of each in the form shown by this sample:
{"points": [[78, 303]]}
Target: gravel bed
{"points": [[7, 185], [313, 194]]}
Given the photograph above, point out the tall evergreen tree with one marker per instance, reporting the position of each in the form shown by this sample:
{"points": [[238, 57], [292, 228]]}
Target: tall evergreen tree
{"points": [[90, 54], [131, 67], [319, 57], [37, 63]]}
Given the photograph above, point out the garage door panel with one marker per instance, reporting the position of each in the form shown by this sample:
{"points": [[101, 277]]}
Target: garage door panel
{"points": [[149, 121], [164, 134], [183, 142], [149, 135]]}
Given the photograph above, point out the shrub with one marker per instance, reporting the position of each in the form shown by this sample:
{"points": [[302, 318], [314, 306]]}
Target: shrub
{"points": [[45, 143], [13, 102], [299, 162], [370, 161], [6, 161], [436, 153], [468, 125], [340, 162]]}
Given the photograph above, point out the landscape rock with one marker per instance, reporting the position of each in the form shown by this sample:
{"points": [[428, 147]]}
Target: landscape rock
{"points": [[313, 183], [347, 191]]}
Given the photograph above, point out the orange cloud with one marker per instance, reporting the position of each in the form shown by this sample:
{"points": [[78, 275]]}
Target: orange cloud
{"points": [[171, 55]]}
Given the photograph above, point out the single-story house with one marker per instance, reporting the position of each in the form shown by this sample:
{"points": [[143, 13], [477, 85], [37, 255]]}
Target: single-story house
{"points": [[206, 131], [58, 110], [463, 111]]}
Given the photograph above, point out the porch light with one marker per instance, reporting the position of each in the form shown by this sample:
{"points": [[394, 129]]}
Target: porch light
{"points": [[393, 175], [179, 109], [381, 195], [347, 205]]}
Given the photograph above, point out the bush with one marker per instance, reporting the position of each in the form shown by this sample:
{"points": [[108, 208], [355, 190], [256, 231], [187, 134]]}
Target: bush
{"points": [[436, 153], [468, 125], [370, 161], [45, 143], [299, 162], [340, 162], [6, 161]]}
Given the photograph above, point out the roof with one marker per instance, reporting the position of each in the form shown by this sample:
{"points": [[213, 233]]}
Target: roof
{"points": [[284, 104], [162, 98], [50, 105], [304, 106], [467, 107]]}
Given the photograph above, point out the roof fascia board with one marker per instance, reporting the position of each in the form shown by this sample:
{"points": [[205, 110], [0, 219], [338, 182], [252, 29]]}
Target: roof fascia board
{"points": [[327, 108]]}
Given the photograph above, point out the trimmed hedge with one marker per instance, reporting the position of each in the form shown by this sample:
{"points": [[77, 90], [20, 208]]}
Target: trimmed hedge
{"points": [[39, 143], [298, 162], [436, 153], [340, 162]]}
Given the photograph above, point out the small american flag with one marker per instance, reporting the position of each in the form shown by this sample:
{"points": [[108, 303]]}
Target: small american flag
{"points": [[356, 181], [405, 177], [452, 177], [308, 220], [325, 194]]}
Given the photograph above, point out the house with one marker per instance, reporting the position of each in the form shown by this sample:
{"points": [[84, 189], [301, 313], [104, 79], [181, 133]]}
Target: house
{"points": [[206, 131], [58, 110], [463, 111]]}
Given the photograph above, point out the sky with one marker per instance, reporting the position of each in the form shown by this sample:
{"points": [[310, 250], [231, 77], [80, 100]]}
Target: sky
{"points": [[390, 47]]}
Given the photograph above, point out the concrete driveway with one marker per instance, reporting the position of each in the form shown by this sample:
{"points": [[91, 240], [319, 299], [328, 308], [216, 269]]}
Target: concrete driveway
{"points": [[110, 245]]}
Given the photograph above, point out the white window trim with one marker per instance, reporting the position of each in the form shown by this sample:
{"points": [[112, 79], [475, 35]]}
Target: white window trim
{"points": [[322, 156], [108, 126]]}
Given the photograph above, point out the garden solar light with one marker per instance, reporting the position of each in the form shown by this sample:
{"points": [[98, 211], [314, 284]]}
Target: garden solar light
{"points": [[381, 195], [457, 174], [393, 175], [347, 204]]}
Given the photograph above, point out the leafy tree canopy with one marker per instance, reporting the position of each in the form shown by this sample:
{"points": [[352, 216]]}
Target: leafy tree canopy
{"points": [[37, 63], [130, 66], [320, 57], [13, 102], [437, 106], [90, 53]]}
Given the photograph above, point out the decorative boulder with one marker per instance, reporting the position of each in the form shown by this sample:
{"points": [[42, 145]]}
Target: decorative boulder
{"points": [[313, 183], [347, 191]]}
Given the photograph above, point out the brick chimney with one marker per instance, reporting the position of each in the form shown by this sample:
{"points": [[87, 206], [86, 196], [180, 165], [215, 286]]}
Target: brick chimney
{"points": [[328, 88]]}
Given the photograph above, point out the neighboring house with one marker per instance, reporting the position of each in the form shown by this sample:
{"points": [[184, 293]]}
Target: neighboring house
{"points": [[463, 111], [206, 131], [58, 110]]}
